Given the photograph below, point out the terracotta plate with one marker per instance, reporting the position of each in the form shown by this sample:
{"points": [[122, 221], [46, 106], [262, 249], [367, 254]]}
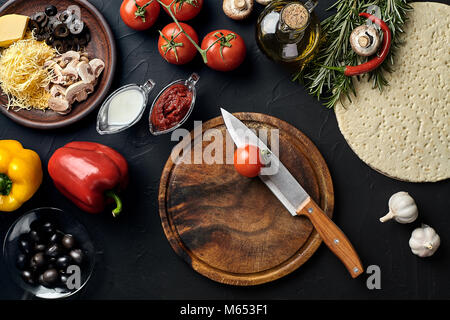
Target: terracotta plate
{"points": [[232, 229], [101, 46]]}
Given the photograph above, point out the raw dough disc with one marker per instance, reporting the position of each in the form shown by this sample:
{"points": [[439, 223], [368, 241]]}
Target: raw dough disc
{"points": [[403, 131]]}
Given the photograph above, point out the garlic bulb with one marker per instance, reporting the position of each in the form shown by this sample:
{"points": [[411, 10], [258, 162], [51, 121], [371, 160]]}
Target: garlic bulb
{"points": [[402, 208], [424, 241]]}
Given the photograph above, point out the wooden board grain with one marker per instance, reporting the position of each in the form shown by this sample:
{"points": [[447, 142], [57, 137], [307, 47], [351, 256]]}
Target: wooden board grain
{"points": [[102, 46], [232, 229]]}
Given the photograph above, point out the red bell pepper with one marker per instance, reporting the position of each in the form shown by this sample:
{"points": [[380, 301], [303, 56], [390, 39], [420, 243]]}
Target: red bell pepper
{"points": [[90, 174]]}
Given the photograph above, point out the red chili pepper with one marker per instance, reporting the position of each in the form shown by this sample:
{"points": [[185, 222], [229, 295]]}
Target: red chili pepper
{"points": [[89, 174], [381, 55]]}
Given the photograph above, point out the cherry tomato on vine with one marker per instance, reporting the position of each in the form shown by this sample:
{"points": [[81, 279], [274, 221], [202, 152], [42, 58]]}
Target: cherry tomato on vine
{"points": [[184, 9], [174, 46], [140, 14], [248, 161], [226, 50]]}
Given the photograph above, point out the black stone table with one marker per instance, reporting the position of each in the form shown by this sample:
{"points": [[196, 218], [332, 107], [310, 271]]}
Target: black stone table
{"points": [[135, 261]]}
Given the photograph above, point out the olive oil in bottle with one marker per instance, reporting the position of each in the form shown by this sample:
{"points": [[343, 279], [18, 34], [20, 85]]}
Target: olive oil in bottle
{"points": [[288, 32]]}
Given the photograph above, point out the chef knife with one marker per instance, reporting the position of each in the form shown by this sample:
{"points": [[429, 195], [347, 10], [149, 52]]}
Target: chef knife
{"points": [[296, 200]]}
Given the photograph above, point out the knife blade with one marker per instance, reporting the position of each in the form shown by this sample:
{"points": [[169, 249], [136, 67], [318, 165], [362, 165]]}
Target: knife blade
{"points": [[294, 198]]}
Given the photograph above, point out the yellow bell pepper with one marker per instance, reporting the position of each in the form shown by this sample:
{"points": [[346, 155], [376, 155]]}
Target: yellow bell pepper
{"points": [[20, 174]]}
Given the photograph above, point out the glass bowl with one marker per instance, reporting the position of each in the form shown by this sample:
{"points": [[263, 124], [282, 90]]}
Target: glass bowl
{"points": [[65, 223], [103, 127], [190, 84]]}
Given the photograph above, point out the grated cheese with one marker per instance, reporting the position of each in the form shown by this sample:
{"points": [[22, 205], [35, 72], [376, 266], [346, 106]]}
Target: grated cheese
{"points": [[23, 77]]}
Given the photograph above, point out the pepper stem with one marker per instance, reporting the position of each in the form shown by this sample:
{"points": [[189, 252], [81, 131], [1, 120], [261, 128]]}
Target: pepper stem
{"points": [[116, 198], [5, 184]]}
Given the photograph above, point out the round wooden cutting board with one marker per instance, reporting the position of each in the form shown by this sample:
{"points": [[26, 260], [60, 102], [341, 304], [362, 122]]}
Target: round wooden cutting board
{"points": [[230, 228]]}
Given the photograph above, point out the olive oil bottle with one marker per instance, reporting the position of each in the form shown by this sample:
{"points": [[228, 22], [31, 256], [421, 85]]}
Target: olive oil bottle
{"points": [[288, 32]]}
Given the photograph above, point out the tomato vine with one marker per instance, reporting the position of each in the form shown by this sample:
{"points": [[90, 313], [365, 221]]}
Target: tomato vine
{"points": [[224, 40]]}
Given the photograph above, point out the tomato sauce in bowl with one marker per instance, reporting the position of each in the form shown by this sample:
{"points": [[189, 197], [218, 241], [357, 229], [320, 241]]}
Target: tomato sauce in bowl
{"points": [[173, 105]]}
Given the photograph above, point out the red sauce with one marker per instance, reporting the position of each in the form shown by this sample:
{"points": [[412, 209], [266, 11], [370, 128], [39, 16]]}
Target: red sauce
{"points": [[171, 107]]}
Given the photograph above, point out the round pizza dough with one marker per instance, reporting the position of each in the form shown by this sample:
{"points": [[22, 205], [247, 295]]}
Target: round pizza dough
{"points": [[403, 131]]}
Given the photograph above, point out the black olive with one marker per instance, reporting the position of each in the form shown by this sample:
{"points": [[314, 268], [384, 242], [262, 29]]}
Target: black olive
{"points": [[51, 11], [76, 27], [25, 245], [54, 250], [61, 30], [28, 276], [41, 280], [39, 247], [38, 261], [58, 45], [55, 237], [21, 262], [49, 41], [77, 256], [50, 276], [48, 227], [44, 23], [68, 241], [39, 17], [33, 25], [63, 262], [65, 17], [63, 278], [34, 236]]}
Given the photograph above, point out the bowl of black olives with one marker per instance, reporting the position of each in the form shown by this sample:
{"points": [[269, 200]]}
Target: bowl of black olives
{"points": [[49, 253]]}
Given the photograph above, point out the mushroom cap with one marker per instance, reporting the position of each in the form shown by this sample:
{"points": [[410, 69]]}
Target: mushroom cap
{"points": [[264, 2], [59, 105], [85, 72], [78, 91], [238, 9], [365, 40]]}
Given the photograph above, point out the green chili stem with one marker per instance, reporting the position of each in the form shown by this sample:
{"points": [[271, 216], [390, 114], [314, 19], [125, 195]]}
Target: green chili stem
{"points": [[116, 198]]}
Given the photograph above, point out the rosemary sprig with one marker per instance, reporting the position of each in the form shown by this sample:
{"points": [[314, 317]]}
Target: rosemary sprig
{"points": [[335, 50]]}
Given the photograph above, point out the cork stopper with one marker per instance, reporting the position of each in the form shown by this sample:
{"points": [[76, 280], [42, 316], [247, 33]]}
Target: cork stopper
{"points": [[295, 16]]}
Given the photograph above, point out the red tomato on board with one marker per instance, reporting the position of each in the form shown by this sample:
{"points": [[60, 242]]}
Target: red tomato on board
{"points": [[149, 10], [226, 54], [184, 9], [174, 46], [248, 161]]}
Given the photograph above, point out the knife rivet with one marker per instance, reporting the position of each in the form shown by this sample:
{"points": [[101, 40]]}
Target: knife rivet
{"points": [[336, 241], [355, 270], [310, 210]]}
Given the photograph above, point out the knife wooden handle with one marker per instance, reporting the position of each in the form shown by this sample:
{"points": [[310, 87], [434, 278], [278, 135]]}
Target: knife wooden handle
{"points": [[333, 237]]}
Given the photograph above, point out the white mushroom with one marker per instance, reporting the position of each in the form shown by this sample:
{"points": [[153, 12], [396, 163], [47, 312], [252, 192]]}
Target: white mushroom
{"points": [[237, 9], [57, 91], [97, 66], [64, 59], [85, 72], [78, 91], [71, 72], [365, 40], [264, 2], [59, 105], [56, 72]]}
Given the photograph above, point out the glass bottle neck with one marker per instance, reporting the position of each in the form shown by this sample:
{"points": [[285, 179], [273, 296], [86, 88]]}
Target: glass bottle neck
{"points": [[294, 20]]}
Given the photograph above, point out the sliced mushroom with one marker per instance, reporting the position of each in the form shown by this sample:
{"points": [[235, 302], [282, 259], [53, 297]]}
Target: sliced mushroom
{"points": [[71, 72], [56, 71], [85, 72], [57, 91], [97, 66], [365, 40], [59, 105], [69, 56], [78, 91], [264, 2], [238, 9]]}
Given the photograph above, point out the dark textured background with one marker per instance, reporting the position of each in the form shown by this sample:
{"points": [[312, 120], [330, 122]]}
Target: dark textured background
{"points": [[135, 260]]}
